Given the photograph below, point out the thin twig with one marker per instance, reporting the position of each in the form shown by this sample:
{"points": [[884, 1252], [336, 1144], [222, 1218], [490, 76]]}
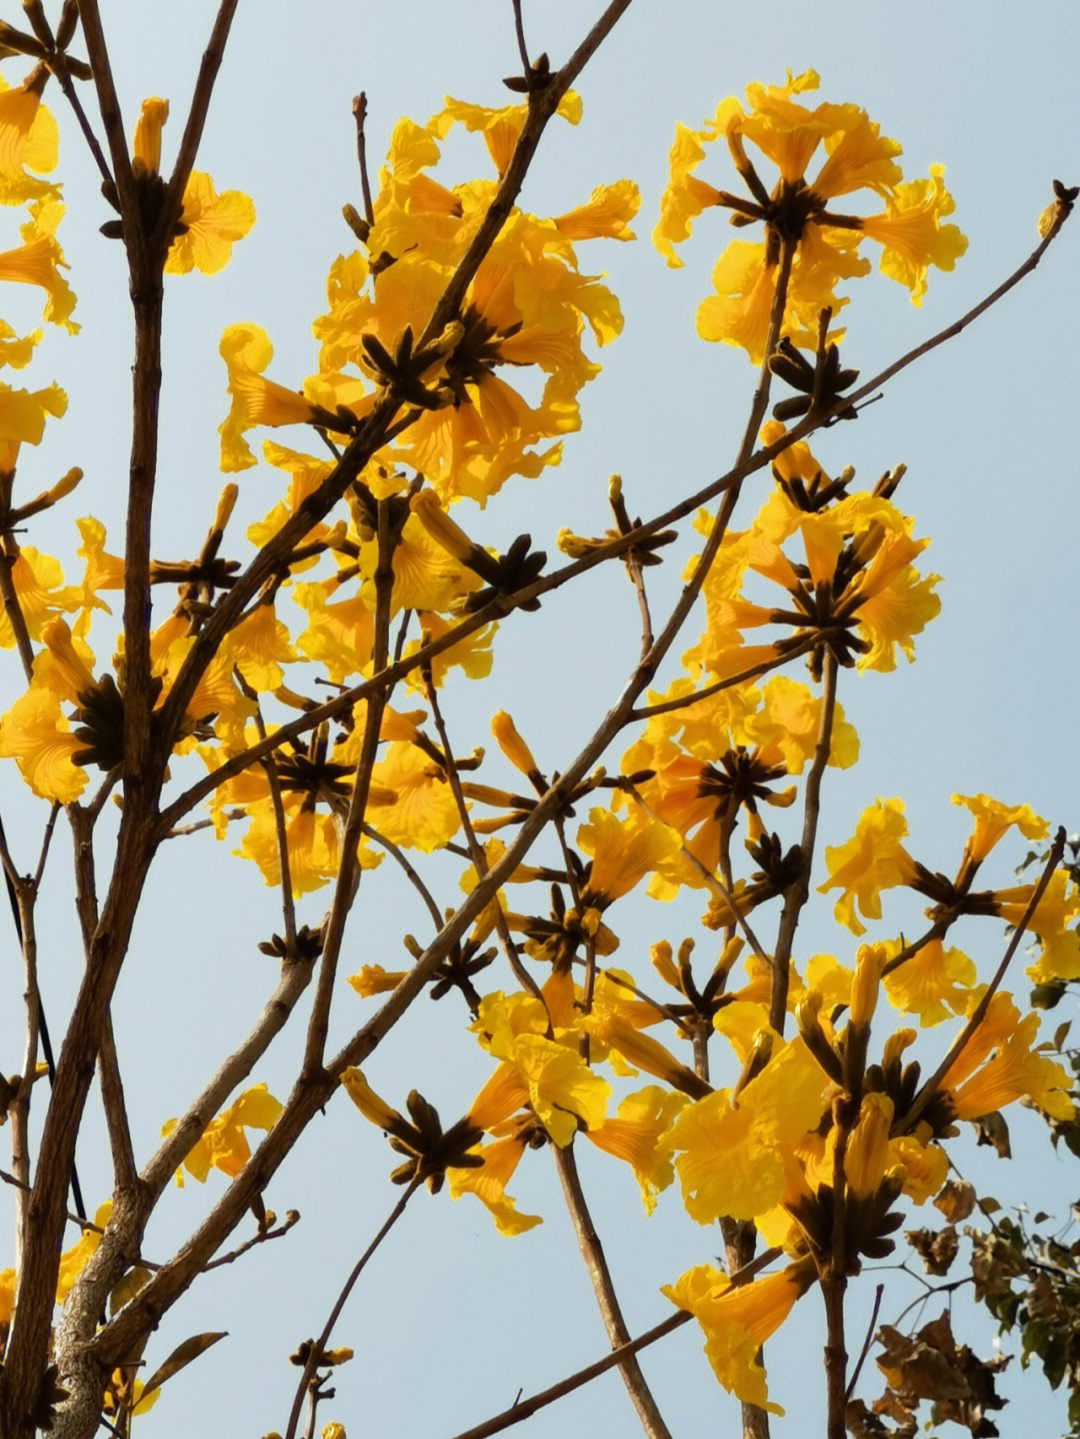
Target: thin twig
{"points": [[67, 85], [200, 103], [319, 1346], [397, 854], [9, 553], [978, 1014], [523, 50], [288, 904], [811, 641], [291, 1218], [348, 876], [525, 1408], [867, 1341], [476, 849], [799, 892], [79, 1219], [46, 841]]}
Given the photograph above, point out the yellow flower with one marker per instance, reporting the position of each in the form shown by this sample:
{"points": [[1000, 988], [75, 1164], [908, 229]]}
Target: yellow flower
{"points": [[35, 733], [787, 725], [911, 232], [1053, 923], [372, 979], [634, 1134], [247, 351], [214, 224], [685, 196], [738, 1321], [101, 571], [338, 636], [925, 1166], [258, 647], [488, 1182], [370, 1105], [934, 983], [423, 814], [623, 851], [28, 140], [789, 134], [38, 581], [1014, 1071], [730, 1149], [38, 261], [471, 654], [993, 819], [867, 1156], [872, 860], [224, 1144], [500, 128], [606, 213]]}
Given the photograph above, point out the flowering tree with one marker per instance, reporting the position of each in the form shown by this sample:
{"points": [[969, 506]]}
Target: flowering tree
{"points": [[295, 700]]}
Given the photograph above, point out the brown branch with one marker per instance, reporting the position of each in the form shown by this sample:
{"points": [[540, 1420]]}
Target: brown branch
{"points": [[125, 1173], [600, 1276], [291, 1218], [867, 1341]]}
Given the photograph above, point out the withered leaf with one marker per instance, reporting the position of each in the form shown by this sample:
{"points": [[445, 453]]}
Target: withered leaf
{"points": [[936, 1248], [956, 1200]]}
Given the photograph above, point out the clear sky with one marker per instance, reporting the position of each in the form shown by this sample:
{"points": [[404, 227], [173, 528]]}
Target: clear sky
{"points": [[453, 1320]]}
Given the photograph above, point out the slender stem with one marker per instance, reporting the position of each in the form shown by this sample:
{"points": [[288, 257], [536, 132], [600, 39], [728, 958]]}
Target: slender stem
{"points": [[323, 1340], [763, 667], [867, 1341], [978, 1014], [112, 119], [200, 103], [46, 841], [67, 85], [397, 854], [125, 1173], [349, 868], [592, 1252], [476, 849], [288, 905], [799, 892], [519, 31]]}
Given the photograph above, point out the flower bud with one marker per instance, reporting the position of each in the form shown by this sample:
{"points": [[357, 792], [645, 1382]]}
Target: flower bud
{"points": [[146, 148], [442, 529], [512, 745]]}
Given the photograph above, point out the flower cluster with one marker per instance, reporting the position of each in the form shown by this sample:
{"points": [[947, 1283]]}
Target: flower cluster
{"points": [[821, 156]]}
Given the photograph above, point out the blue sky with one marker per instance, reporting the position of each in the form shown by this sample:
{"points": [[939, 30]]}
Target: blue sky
{"points": [[453, 1320]]}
